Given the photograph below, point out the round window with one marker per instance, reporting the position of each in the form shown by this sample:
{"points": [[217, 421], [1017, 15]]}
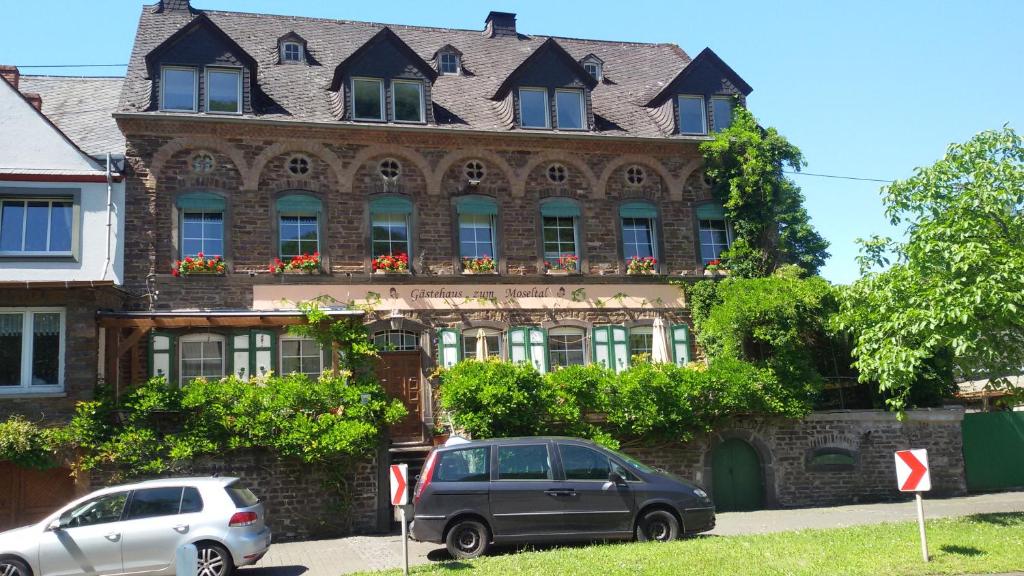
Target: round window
{"points": [[202, 163], [557, 173], [475, 170], [635, 175], [298, 165], [389, 169]]}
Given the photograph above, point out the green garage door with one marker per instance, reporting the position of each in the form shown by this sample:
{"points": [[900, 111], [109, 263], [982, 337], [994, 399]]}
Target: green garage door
{"points": [[994, 450], [736, 478]]}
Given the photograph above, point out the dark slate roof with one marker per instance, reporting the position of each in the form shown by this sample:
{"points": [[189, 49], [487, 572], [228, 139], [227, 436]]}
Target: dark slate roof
{"points": [[82, 107], [633, 72]]}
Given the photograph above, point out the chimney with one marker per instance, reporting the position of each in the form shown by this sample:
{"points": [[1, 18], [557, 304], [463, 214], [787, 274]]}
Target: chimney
{"points": [[174, 6], [34, 99], [11, 74], [500, 24]]}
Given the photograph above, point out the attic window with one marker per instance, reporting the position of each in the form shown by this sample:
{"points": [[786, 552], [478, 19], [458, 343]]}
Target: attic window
{"points": [[475, 170], [557, 173], [291, 52], [449, 63], [693, 118], [203, 163], [298, 165], [389, 169], [368, 99], [594, 69], [635, 175], [178, 89], [533, 108]]}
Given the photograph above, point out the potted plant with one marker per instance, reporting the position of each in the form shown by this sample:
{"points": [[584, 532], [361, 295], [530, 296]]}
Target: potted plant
{"points": [[199, 265], [647, 265], [440, 435], [303, 264], [483, 265], [715, 268], [565, 264], [391, 264]]}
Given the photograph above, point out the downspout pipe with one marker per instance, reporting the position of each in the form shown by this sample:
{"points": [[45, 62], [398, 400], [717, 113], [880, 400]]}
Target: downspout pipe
{"points": [[110, 209]]}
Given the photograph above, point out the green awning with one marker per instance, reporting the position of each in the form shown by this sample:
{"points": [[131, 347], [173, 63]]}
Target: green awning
{"points": [[391, 205], [299, 203], [637, 210], [201, 201], [560, 207], [479, 205], [710, 212]]}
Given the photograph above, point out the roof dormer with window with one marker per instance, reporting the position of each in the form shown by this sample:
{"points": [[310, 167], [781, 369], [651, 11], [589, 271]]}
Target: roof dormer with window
{"points": [[594, 66], [700, 99], [291, 49], [385, 81], [549, 90], [448, 60]]}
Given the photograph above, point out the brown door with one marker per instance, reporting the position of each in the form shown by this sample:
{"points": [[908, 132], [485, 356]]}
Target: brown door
{"points": [[27, 496], [400, 376]]}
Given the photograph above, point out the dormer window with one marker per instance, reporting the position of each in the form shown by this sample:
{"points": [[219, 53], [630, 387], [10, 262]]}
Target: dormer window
{"points": [[693, 117], [569, 109], [721, 112], [448, 63], [178, 89], [533, 108], [368, 99], [224, 90], [594, 69], [407, 101], [291, 52]]}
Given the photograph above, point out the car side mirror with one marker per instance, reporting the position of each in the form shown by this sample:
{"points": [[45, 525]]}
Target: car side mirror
{"points": [[55, 525], [616, 479]]}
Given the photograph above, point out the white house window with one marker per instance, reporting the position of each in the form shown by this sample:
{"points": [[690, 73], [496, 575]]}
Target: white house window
{"points": [[407, 101], [396, 340], [202, 232], [389, 169], [637, 237], [301, 356], [693, 117], [721, 111], [291, 52], [390, 234], [469, 343], [714, 239], [565, 347], [178, 89], [202, 356], [449, 63], [476, 235], [36, 226], [533, 108], [31, 350], [594, 69], [569, 109], [641, 340], [300, 234], [224, 90], [368, 99]]}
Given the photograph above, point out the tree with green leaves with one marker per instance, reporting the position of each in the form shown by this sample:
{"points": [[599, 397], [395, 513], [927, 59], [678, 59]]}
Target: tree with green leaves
{"points": [[956, 281], [746, 165]]}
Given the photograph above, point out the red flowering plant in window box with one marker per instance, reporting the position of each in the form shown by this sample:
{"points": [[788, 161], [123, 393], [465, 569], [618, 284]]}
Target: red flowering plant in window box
{"points": [[565, 264], [308, 263], [482, 265], [201, 264], [645, 265], [391, 263], [716, 266]]}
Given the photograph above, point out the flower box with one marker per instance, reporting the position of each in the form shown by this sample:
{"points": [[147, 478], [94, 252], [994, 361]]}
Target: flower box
{"points": [[648, 265], [641, 272], [304, 264], [474, 272], [553, 272], [391, 263], [200, 265], [405, 272], [482, 265]]}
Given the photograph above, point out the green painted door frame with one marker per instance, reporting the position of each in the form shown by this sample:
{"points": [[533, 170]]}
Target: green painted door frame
{"points": [[994, 450], [736, 476]]}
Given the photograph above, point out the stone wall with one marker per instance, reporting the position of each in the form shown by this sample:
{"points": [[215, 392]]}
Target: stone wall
{"points": [[786, 449], [300, 499]]}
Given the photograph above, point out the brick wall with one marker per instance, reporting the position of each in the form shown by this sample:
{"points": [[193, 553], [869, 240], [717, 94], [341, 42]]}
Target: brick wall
{"points": [[785, 448]]}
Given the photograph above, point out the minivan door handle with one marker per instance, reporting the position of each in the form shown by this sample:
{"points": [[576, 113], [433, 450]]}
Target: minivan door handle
{"points": [[181, 528], [560, 492], [113, 536]]}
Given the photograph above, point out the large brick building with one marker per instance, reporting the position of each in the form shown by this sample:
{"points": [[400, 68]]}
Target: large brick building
{"points": [[260, 137]]}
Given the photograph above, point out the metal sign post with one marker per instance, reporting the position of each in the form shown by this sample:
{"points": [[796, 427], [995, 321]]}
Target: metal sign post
{"points": [[400, 499], [913, 475]]}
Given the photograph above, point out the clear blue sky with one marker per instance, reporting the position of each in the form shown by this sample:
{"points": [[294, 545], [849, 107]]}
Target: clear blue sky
{"points": [[868, 88]]}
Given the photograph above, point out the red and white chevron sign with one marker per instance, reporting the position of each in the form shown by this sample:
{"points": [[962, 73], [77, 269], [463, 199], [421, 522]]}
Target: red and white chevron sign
{"points": [[912, 474], [399, 484]]}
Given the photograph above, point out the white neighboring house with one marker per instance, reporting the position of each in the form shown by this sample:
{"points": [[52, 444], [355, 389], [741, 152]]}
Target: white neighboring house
{"points": [[61, 244]]}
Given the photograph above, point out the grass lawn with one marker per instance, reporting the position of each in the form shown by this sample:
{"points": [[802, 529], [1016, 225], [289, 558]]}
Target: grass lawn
{"points": [[981, 544]]}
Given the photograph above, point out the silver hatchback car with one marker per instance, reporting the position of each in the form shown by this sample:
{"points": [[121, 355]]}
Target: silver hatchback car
{"points": [[138, 529]]}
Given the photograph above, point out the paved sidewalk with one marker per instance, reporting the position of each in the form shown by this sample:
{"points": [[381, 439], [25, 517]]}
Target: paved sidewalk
{"points": [[358, 553]]}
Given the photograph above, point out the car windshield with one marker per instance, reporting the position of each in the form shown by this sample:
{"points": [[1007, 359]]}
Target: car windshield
{"points": [[633, 463]]}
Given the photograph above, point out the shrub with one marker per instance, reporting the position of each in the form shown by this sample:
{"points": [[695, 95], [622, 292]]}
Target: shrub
{"points": [[494, 398], [26, 444]]}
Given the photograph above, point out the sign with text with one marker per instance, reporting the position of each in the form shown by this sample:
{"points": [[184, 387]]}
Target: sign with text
{"points": [[474, 296], [399, 484], [912, 474]]}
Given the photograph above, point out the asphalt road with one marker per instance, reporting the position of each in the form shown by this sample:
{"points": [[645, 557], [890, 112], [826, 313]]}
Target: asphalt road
{"points": [[358, 553]]}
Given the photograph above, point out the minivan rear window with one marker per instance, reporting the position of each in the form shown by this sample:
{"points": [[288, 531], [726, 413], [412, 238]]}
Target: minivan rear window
{"points": [[465, 465], [240, 495], [527, 462]]}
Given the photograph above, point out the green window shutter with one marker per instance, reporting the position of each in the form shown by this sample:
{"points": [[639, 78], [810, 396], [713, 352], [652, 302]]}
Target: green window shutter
{"points": [[560, 207], [637, 210], [527, 344], [681, 344], [538, 338], [263, 352], [620, 347], [299, 204], [710, 211], [240, 355], [517, 344], [162, 357], [602, 346], [391, 205], [449, 347], [201, 201], [476, 205]]}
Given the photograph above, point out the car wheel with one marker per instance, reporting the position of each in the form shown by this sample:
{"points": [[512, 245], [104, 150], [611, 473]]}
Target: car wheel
{"points": [[657, 526], [214, 560], [467, 539], [13, 567]]}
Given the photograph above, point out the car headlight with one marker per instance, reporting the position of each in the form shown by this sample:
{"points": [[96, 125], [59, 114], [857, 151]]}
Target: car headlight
{"points": [[700, 493]]}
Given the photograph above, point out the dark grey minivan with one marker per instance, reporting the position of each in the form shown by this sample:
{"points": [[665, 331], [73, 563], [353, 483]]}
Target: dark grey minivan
{"points": [[545, 489]]}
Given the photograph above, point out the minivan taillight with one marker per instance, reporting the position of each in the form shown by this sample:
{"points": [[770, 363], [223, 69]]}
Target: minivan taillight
{"points": [[239, 519], [425, 477]]}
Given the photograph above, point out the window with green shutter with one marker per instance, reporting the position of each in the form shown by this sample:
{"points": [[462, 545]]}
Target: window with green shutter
{"points": [[681, 344], [611, 347], [162, 355], [448, 347], [528, 344]]}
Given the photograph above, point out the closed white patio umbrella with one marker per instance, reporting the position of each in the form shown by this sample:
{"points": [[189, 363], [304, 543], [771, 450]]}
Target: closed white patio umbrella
{"points": [[481, 344], [659, 345]]}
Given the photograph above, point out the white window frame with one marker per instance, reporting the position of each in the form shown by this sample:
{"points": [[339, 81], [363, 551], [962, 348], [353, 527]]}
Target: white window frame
{"points": [[284, 52], [195, 88], [27, 319], [653, 223], [492, 224], [700, 243], [281, 241], [184, 214], [387, 333], [380, 87], [598, 73], [455, 57], [281, 356], [647, 330], [567, 331], [575, 240], [547, 108], [423, 106], [222, 69], [468, 353], [728, 102], [49, 215], [406, 218], [583, 106], [204, 337], [703, 116]]}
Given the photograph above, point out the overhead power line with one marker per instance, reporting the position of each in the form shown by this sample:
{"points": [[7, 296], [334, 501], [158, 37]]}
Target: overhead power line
{"points": [[837, 177]]}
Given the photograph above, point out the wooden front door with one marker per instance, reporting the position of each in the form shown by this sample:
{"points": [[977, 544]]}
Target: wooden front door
{"points": [[27, 496], [400, 375], [736, 478]]}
